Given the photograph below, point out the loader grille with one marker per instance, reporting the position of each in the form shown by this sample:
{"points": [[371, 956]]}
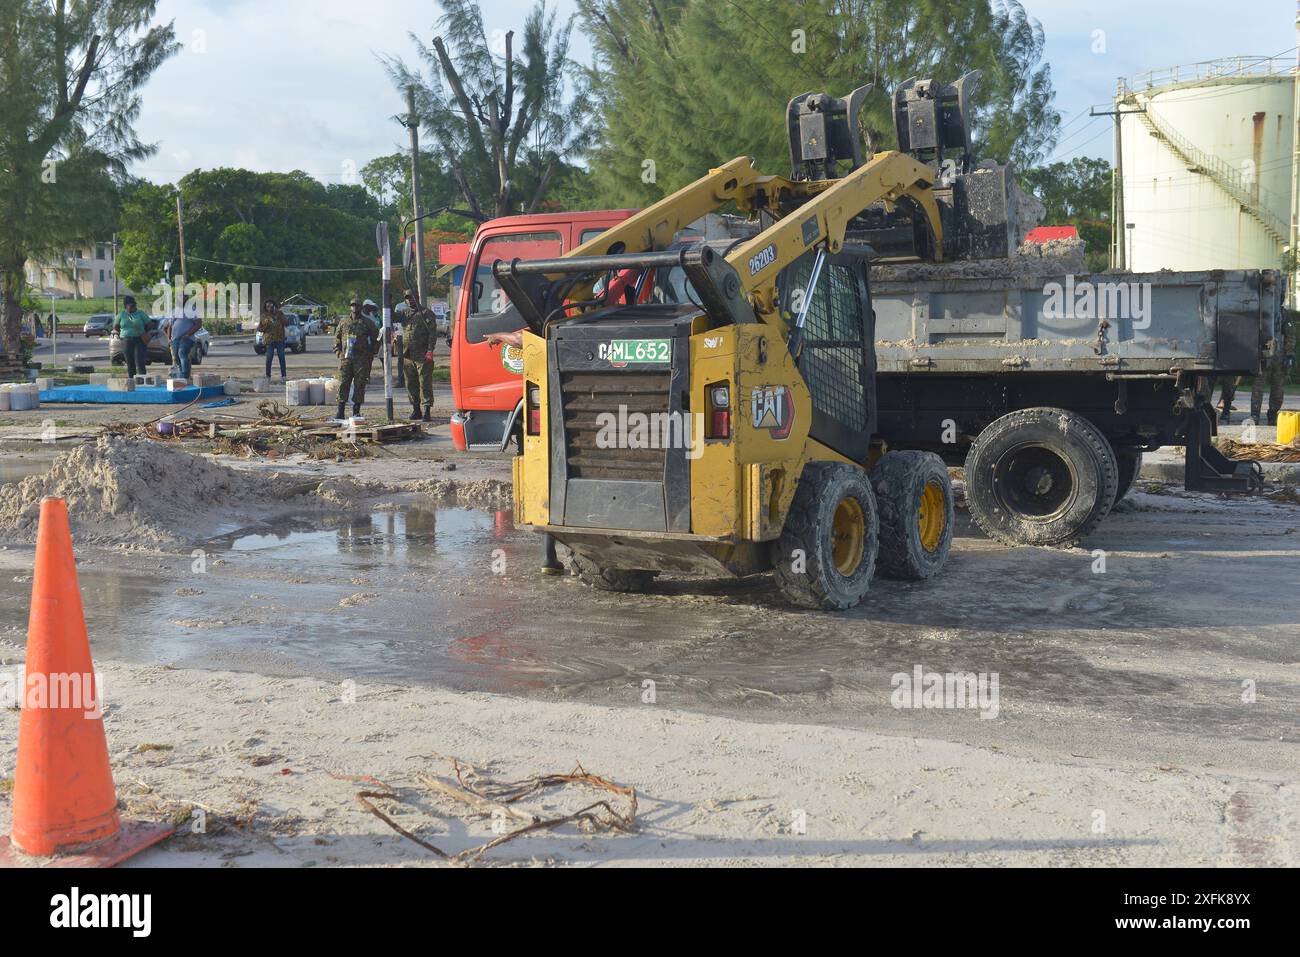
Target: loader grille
{"points": [[586, 396]]}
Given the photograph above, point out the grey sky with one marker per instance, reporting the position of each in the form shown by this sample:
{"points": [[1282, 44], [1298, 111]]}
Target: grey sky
{"points": [[294, 84]]}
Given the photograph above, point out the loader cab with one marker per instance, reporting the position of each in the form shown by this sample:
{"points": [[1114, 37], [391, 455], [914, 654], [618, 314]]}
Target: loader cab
{"points": [[830, 305]]}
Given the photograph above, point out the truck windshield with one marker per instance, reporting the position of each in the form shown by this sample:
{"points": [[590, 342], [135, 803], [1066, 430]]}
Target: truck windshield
{"points": [[485, 295]]}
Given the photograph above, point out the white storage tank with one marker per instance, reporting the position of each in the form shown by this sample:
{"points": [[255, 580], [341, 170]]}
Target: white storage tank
{"points": [[1208, 167]]}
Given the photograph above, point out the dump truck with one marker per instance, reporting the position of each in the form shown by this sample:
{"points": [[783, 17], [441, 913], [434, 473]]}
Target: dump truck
{"points": [[1014, 374]]}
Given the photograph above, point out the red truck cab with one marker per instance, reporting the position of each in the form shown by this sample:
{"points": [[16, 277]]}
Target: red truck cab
{"points": [[486, 379]]}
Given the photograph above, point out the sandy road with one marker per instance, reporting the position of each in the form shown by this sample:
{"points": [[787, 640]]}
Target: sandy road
{"points": [[1123, 733]]}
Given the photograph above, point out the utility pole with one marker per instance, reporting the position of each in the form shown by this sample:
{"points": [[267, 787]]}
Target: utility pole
{"points": [[1292, 293], [180, 231], [113, 250], [1118, 256], [413, 127]]}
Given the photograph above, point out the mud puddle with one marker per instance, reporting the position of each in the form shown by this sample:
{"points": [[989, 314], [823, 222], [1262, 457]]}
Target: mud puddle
{"points": [[16, 466], [450, 597]]}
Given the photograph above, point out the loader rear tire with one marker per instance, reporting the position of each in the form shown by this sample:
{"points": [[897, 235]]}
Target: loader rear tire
{"points": [[915, 501], [603, 577], [1040, 476], [826, 555]]}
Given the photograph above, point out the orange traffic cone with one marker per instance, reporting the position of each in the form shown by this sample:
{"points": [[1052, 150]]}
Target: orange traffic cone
{"points": [[63, 798]]}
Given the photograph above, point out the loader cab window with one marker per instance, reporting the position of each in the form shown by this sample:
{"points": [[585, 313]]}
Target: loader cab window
{"points": [[838, 354], [486, 297]]}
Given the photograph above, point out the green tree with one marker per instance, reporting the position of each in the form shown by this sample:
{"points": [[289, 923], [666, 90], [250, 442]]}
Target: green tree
{"points": [[71, 75], [498, 114], [286, 231], [1077, 193], [687, 84], [388, 180]]}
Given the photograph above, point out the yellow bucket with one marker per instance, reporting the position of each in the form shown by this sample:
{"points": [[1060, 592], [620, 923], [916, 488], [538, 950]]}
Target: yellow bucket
{"points": [[1288, 427]]}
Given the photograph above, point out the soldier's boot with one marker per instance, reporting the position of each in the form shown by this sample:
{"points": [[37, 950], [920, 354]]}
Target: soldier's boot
{"points": [[427, 417], [550, 561], [1255, 413], [415, 412], [339, 414], [356, 408], [1272, 418]]}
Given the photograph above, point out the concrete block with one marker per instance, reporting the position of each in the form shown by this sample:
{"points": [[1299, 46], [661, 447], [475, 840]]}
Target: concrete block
{"points": [[120, 385], [101, 378], [146, 380], [42, 384], [175, 385]]}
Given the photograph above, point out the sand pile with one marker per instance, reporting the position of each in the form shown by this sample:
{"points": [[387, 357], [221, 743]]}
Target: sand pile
{"points": [[148, 494]]}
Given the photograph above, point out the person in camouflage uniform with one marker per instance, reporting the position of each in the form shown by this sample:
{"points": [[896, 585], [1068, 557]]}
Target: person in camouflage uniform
{"points": [[355, 341], [417, 355], [1277, 370]]}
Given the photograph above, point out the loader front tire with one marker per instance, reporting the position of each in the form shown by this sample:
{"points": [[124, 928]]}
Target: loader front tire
{"points": [[826, 555], [915, 501], [603, 577]]}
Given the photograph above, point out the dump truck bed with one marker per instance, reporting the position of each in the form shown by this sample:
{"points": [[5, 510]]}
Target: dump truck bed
{"points": [[959, 319]]}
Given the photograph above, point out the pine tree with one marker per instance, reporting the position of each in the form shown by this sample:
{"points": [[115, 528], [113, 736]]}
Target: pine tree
{"points": [[685, 85]]}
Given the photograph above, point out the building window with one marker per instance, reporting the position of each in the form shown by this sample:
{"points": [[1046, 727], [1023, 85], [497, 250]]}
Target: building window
{"points": [[101, 275]]}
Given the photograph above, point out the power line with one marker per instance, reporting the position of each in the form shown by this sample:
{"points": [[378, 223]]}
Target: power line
{"points": [[218, 262]]}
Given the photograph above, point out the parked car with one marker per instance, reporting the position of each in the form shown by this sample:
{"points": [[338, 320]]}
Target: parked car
{"points": [[159, 349], [98, 324], [295, 339], [314, 327]]}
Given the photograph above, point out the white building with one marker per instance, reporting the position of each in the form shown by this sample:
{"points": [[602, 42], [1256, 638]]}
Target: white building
{"points": [[86, 272]]}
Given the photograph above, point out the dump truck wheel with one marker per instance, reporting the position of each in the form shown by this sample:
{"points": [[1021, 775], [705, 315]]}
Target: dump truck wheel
{"points": [[1130, 464], [914, 498], [1040, 477], [604, 577], [826, 555]]}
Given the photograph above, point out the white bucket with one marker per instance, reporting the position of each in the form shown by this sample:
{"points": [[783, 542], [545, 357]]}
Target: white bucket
{"points": [[20, 399], [316, 391], [297, 392]]}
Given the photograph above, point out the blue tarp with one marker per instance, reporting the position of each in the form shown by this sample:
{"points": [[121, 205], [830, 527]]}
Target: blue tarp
{"points": [[143, 395]]}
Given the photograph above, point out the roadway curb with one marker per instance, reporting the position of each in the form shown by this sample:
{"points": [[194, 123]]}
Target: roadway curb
{"points": [[1278, 473]]}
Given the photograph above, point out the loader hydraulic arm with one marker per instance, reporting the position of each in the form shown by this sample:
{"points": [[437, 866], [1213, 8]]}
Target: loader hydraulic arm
{"points": [[808, 213]]}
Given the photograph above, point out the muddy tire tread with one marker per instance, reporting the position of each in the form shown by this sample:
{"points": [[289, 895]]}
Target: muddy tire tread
{"points": [[807, 589], [601, 577], [1023, 532], [901, 554]]}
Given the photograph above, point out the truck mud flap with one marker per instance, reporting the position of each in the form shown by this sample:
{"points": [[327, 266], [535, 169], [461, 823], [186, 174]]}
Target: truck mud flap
{"points": [[1206, 469]]}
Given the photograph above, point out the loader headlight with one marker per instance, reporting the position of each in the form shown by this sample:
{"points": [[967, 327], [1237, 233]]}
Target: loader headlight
{"points": [[720, 397]]}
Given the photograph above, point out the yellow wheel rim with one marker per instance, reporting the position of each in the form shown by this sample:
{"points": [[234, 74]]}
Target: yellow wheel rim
{"points": [[848, 536], [931, 516]]}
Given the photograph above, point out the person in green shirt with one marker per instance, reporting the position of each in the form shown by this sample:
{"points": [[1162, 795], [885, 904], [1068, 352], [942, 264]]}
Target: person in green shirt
{"points": [[130, 326]]}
